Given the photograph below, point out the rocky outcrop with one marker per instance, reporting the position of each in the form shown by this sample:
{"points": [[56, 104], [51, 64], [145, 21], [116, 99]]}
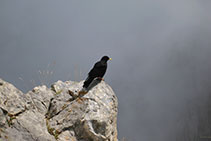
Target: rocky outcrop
{"points": [[48, 114]]}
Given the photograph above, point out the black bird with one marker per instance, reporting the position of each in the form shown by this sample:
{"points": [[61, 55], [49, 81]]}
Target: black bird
{"points": [[97, 71]]}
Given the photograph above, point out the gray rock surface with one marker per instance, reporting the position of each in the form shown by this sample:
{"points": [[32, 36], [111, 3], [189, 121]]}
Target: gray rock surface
{"points": [[48, 114]]}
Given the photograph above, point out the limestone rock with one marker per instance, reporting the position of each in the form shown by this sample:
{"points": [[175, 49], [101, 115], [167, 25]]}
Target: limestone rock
{"points": [[48, 114]]}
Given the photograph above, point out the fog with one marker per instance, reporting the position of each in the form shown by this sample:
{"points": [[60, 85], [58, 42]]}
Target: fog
{"points": [[160, 54]]}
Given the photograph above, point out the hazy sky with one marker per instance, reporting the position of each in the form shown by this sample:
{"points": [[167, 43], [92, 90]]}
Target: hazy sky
{"points": [[160, 50]]}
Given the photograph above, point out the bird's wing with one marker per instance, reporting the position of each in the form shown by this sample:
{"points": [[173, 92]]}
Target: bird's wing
{"points": [[96, 66]]}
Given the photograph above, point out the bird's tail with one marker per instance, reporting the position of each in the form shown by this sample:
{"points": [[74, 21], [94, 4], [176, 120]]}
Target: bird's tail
{"points": [[87, 82]]}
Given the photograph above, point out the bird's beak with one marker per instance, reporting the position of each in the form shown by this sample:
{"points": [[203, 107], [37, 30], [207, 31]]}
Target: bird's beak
{"points": [[110, 58]]}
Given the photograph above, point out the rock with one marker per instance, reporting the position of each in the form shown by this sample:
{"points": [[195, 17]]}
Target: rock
{"points": [[11, 99], [48, 114]]}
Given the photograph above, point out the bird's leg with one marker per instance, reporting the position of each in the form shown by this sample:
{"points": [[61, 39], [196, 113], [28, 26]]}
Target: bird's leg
{"points": [[100, 78]]}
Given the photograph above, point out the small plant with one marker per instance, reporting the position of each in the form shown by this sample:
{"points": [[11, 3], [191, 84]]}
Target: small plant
{"points": [[58, 92], [56, 134], [9, 121], [44, 77], [123, 139], [52, 131], [46, 74], [64, 106]]}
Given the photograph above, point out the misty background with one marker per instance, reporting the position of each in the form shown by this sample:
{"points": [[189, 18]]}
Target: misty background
{"points": [[160, 50]]}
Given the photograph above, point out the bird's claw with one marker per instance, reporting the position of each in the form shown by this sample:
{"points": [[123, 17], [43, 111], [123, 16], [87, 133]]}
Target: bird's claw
{"points": [[100, 78]]}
